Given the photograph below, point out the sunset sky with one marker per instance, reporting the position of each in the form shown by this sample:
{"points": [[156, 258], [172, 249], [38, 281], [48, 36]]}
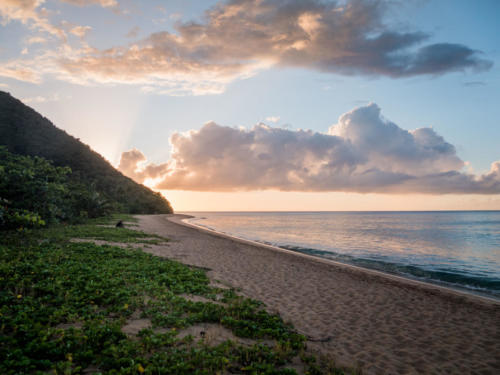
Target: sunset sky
{"points": [[272, 104]]}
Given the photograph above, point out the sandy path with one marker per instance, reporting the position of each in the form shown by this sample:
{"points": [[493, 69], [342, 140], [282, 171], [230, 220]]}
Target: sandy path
{"points": [[379, 323]]}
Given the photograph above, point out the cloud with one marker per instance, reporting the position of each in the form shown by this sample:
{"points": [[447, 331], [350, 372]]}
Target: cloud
{"points": [[274, 119], [42, 99], [33, 69], [158, 63], [236, 39], [18, 71], [103, 3], [383, 143], [80, 31], [31, 12], [330, 36], [133, 164], [36, 39], [445, 57], [363, 152], [28, 12]]}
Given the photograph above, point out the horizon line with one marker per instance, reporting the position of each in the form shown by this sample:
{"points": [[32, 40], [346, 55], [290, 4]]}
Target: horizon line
{"points": [[329, 211]]}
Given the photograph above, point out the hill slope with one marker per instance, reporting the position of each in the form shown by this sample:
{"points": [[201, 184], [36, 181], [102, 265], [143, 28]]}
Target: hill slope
{"points": [[24, 131]]}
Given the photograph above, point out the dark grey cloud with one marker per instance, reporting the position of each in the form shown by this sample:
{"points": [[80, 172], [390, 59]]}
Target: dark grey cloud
{"points": [[363, 152], [445, 57], [237, 38]]}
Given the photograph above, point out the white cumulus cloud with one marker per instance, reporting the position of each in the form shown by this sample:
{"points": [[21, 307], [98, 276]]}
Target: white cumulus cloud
{"points": [[363, 152]]}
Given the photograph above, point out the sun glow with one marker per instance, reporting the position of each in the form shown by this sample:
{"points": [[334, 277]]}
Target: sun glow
{"points": [[335, 201]]}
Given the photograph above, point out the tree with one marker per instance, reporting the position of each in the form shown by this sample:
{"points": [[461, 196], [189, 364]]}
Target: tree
{"points": [[32, 191]]}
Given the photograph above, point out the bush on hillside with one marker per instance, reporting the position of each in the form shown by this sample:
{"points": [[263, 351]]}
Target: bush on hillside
{"points": [[34, 192]]}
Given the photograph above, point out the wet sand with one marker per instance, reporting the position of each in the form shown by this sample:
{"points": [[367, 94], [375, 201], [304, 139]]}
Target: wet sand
{"points": [[380, 323]]}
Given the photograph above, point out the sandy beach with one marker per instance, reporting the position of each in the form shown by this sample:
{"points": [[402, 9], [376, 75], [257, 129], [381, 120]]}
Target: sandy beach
{"points": [[379, 323]]}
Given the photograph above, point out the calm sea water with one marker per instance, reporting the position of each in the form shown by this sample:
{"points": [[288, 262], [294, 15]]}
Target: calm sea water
{"points": [[457, 249]]}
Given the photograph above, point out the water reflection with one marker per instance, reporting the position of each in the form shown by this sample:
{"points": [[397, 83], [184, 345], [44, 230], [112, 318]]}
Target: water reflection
{"points": [[456, 244]]}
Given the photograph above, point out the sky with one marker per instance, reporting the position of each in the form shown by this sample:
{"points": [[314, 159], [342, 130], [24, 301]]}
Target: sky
{"points": [[272, 104]]}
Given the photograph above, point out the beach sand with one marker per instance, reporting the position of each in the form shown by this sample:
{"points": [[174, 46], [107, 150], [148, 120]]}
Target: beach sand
{"points": [[379, 323]]}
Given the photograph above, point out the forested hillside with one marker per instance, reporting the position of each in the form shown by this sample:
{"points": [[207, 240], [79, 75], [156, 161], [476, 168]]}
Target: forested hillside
{"points": [[25, 132]]}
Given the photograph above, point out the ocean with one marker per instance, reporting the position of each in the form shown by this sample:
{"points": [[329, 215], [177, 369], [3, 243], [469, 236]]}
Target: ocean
{"points": [[457, 249]]}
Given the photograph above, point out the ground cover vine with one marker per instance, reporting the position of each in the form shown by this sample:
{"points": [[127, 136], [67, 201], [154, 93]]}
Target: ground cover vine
{"points": [[63, 306]]}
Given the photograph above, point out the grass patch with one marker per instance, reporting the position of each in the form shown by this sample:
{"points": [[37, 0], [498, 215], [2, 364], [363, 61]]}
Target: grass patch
{"points": [[113, 219], [99, 232], [63, 305]]}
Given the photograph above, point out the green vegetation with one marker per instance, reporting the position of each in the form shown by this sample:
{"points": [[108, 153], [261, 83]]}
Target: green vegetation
{"points": [[25, 132], [103, 229], [66, 299], [33, 192], [64, 306]]}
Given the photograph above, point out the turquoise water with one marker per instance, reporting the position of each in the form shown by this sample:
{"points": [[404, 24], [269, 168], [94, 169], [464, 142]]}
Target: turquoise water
{"points": [[456, 249]]}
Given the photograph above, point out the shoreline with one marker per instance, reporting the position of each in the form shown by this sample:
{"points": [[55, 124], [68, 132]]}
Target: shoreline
{"points": [[358, 318], [459, 292]]}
